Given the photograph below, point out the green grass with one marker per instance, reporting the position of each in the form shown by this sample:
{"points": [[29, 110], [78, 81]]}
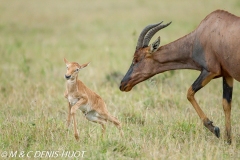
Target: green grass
{"points": [[158, 121]]}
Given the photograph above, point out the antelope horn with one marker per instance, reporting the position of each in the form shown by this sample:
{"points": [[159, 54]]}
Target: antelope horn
{"points": [[143, 33], [151, 32]]}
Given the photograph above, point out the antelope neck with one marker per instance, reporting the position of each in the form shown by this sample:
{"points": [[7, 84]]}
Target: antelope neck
{"points": [[177, 55]]}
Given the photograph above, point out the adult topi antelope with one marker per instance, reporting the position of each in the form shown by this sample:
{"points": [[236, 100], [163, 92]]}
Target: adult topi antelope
{"points": [[81, 97], [212, 48]]}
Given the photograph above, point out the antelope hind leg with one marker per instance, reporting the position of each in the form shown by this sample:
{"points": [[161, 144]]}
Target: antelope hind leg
{"points": [[227, 99]]}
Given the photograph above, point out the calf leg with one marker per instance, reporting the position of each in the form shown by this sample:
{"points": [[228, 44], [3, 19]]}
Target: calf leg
{"points": [[81, 102], [76, 134], [115, 121], [73, 113], [69, 115], [94, 117], [227, 99], [201, 81]]}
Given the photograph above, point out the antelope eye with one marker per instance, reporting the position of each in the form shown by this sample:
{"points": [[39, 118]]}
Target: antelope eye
{"points": [[76, 70], [135, 61]]}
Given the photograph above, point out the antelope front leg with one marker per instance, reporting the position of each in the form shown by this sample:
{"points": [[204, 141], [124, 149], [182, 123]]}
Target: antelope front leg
{"points": [[201, 81], [227, 99]]}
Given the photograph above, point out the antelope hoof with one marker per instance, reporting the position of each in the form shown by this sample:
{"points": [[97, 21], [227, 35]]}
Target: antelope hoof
{"points": [[229, 141], [217, 132]]}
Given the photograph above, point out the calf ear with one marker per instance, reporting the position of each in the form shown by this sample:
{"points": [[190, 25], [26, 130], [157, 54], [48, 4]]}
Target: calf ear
{"points": [[66, 61], [84, 65], [155, 45]]}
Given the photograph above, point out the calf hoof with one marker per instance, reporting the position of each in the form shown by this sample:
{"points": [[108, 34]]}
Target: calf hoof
{"points": [[217, 132], [122, 134], [76, 137]]}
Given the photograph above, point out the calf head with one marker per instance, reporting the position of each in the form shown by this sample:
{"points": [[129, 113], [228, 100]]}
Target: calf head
{"points": [[73, 69]]}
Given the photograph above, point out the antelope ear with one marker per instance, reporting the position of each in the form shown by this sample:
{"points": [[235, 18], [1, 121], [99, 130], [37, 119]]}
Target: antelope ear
{"points": [[155, 45], [84, 65], [66, 61]]}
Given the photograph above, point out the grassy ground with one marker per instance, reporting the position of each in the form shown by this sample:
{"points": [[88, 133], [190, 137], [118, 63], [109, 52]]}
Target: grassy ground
{"points": [[157, 119]]}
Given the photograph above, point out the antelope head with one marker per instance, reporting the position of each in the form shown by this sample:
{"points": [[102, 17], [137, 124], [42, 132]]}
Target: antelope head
{"points": [[143, 64], [73, 69]]}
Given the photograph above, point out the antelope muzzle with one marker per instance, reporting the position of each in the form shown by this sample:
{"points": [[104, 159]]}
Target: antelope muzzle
{"points": [[125, 83]]}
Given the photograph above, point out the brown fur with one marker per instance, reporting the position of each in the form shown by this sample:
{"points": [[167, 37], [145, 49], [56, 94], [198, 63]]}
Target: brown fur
{"points": [[212, 48], [81, 97]]}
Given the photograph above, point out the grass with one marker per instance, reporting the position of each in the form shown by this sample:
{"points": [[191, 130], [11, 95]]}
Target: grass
{"points": [[158, 121]]}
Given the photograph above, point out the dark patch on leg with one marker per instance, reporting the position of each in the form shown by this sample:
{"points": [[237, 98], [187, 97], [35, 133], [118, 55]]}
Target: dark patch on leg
{"points": [[198, 83], [227, 91], [227, 99]]}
